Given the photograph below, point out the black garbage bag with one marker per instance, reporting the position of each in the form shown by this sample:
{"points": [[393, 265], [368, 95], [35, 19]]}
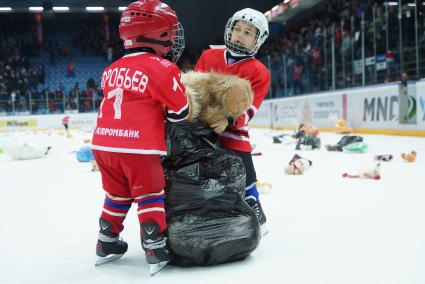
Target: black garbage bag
{"points": [[208, 220], [345, 140]]}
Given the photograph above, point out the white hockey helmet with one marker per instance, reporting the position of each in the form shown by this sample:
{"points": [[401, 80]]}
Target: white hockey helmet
{"points": [[254, 18]]}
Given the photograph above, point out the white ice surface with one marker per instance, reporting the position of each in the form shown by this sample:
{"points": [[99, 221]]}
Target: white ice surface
{"points": [[322, 228]]}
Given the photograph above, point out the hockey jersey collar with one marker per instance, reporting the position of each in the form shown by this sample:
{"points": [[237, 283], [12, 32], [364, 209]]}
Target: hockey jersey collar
{"points": [[232, 60], [135, 54]]}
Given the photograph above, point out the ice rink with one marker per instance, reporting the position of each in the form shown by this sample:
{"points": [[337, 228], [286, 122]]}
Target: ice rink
{"points": [[322, 228]]}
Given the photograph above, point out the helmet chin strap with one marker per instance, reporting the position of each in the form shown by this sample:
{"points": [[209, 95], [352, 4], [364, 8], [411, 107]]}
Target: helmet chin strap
{"points": [[238, 54], [165, 43], [169, 56], [232, 47]]}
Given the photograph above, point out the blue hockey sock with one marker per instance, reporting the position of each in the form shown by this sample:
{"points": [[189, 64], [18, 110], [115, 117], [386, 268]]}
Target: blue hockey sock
{"points": [[251, 191]]}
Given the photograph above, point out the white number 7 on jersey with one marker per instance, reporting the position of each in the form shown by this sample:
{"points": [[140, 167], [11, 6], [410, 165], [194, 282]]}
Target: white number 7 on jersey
{"points": [[176, 85], [117, 93]]}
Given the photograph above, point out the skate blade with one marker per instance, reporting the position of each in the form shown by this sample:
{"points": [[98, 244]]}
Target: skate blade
{"points": [[155, 268], [106, 259]]}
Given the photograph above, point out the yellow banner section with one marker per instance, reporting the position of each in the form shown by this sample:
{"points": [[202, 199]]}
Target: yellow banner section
{"points": [[13, 123]]}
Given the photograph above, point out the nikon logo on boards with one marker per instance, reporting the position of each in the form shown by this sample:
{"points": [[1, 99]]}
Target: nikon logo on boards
{"points": [[18, 123]]}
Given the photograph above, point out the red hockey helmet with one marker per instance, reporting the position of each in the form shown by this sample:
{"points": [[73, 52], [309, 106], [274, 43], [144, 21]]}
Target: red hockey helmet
{"points": [[152, 24]]}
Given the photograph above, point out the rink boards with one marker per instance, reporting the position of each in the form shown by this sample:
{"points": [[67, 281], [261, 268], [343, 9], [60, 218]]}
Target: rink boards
{"points": [[372, 109]]}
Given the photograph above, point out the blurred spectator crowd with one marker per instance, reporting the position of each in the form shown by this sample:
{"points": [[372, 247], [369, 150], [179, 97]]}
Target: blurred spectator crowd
{"points": [[328, 40]]}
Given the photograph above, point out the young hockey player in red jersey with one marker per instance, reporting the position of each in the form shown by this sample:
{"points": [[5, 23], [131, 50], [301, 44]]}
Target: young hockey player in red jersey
{"points": [[65, 123], [245, 32], [128, 140]]}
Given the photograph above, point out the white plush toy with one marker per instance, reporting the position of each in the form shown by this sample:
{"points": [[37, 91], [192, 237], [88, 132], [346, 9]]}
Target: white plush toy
{"points": [[20, 150], [367, 173], [297, 166]]}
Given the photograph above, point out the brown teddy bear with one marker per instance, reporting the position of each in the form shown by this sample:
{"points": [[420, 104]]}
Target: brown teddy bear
{"points": [[409, 157], [215, 97]]}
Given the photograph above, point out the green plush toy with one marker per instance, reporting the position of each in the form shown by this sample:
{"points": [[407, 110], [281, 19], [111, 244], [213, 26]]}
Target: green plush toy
{"points": [[357, 147]]}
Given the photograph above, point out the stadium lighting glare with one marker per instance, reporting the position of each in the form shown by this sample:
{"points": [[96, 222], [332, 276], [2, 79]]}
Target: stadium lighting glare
{"points": [[60, 8], [95, 8], [122, 8], [392, 3], [411, 4], [36, 8], [5, 9]]}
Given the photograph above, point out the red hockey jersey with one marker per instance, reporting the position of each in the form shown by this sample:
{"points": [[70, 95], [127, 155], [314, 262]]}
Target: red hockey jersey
{"points": [[236, 135], [65, 120], [138, 89]]}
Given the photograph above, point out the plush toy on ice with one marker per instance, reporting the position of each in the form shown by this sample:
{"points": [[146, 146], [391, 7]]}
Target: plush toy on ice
{"points": [[85, 155], [409, 157], [20, 150], [357, 147], [341, 127], [215, 97], [264, 187], [345, 141], [384, 158], [285, 138], [368, 173], [308, 130], [298, 165], [307, 136]]}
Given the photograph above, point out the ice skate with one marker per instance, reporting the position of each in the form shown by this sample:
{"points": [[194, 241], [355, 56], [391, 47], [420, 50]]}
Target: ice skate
{"points": [[109, 246], [258, 211], [155, 248]]}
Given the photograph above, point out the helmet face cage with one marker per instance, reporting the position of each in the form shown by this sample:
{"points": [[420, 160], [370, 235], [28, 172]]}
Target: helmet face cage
{"points": [[178, 42], [260, 36]]}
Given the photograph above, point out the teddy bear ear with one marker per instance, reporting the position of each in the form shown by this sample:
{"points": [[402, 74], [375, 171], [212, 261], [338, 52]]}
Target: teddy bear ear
{"points": [[237, 99]]}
